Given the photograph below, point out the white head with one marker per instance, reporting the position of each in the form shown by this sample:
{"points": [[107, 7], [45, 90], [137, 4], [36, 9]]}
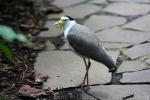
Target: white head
{"points": [[64, 20]]}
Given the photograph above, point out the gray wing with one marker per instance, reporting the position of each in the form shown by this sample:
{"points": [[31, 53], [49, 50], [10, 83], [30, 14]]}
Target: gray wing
{"points": [[83, 41]]}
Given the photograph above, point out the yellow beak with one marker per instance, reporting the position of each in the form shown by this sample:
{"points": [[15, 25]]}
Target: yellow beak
{"points": [[60, 23]]}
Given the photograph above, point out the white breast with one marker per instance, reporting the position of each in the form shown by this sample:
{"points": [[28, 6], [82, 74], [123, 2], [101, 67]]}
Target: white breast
{"points": [[68, 26]]}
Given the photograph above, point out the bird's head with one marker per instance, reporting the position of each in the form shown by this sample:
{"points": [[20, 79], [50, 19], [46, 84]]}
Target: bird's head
{"points": [[63, 20]]}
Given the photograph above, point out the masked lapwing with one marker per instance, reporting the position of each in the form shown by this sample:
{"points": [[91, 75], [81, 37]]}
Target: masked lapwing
{"points": [[84, 43]]}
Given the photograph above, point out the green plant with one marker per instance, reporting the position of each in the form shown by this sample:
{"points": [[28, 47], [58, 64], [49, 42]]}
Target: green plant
{"points": [[5, 97], [9, 35], [6, 51]]}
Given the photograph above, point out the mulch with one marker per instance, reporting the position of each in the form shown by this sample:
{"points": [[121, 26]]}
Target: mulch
{"points": [[18, 79]]}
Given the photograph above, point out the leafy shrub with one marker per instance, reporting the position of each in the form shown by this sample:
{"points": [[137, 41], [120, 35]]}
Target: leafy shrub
{"points": [[4, 97], [6, 51], [9, 35]]}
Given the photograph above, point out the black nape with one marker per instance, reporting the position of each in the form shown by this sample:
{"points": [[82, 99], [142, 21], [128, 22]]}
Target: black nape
{"points": [[70, 17]]}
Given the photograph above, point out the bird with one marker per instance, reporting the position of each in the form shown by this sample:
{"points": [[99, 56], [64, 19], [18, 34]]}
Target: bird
{"points": [[83, 42]]}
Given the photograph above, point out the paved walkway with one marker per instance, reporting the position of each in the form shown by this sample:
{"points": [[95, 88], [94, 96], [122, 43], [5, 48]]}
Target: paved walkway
{"points": [[123, 26]]}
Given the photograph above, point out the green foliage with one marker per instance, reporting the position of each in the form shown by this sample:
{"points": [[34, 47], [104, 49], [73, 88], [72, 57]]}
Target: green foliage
{"points": [[8, 34], [6, 51], [23, 39], [4, 97]]}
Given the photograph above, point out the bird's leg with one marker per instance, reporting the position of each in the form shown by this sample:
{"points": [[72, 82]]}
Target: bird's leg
{"points": [[85, 77], [88, 67], [86, 74]]}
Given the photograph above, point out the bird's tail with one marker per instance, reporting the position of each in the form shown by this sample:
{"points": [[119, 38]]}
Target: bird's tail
{"points": [[108, 61]]}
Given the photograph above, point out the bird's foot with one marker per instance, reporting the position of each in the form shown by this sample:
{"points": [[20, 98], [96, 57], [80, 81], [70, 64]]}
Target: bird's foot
{"points": [[81, 85], [84, 87]]}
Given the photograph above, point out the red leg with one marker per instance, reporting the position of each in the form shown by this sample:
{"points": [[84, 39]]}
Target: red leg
{"points": [[88, 67], [86, 77]]}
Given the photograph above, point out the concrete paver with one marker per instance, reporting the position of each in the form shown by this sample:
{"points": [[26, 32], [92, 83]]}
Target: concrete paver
{"points": [[115, 45], [141, 24], [123, 36], [98, 1], [136, 77], [66, 69], [118, 92], [53, 31], [128, 66], [147, 61], [98, 22], [114, 55], [138, 51], [118, 30], [66, 3], [127, 9], [78, 12], [133, 1]]}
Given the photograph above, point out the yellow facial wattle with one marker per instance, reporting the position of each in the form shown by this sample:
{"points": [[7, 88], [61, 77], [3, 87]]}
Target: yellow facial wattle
{"points": [[60, 23]]}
